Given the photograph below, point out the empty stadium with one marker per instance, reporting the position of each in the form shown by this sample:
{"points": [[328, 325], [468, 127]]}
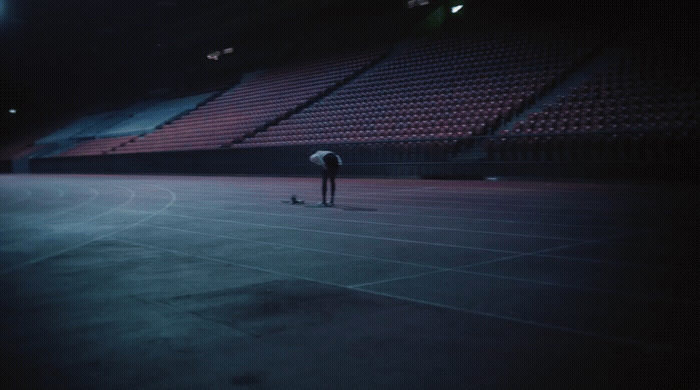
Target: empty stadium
{"points": [[516, 206]]}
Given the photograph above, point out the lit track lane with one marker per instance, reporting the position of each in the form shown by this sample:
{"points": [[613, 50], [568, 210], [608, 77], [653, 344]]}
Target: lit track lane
{"points": [[81, 229], [468, 212], [33, 237], [196, 302]]}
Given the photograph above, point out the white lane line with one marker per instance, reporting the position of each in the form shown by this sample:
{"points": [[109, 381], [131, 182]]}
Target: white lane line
{"points": [[416, 186], [388, 188], [537, 324], [448, 191], [217, 260], [363, 257], [400, 278], [380, 238], [95, 193], [404, 214], [132, 194], [464, 269], [45, 257], [27, 194], [225, 183], [402, 203], [392, 191], [432, 269], [567, 246], [383, 184], [461, 268], [377, 223], [456, 199]]}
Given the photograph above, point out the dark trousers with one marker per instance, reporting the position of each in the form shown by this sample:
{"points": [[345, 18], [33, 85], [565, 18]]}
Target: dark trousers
{"points": [[329, 173]]}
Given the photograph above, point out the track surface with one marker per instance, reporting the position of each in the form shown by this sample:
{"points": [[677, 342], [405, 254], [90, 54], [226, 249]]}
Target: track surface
{"points": [[215, 282]]}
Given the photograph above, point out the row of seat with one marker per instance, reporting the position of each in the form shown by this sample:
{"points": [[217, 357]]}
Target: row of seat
{"points": [[444, 89], [241, 110], [458, 99], [645, 106], [97, 146]]}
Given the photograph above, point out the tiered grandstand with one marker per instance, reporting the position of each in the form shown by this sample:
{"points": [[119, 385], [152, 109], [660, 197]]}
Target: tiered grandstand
{"points": [[240, 111], [645, 107], [96, 134], [98, 146], [447, 88], [443, 100]]}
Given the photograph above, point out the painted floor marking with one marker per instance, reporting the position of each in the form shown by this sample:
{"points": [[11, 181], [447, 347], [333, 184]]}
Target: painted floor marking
{"points": [[377, 223], [73, 247], [432, 268], [266, 191], [564, 329], [345, 234]]}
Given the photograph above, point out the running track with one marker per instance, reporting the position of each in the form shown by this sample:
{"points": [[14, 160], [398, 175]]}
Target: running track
{"points": [[215, 282]]}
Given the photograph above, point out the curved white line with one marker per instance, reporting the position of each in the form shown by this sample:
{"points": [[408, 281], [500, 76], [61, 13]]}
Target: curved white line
{"points": [[27, 194], [132, 195], [66, 210], [94, 195], [45, 257]]}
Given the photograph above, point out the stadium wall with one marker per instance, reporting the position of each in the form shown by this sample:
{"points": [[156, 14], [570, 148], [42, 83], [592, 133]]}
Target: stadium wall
{"points": [[419, 159], [5, 166]]}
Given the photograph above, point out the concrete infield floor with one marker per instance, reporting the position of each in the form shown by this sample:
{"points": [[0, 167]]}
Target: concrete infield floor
{"points": [[214, 283]]}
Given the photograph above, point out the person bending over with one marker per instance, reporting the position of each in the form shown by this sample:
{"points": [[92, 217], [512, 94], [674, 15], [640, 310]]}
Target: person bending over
{"points": [[329, 163]]}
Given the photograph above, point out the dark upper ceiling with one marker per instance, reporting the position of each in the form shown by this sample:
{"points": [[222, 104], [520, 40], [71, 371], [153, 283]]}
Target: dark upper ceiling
{"points": [[57, 56], [60, 54]]}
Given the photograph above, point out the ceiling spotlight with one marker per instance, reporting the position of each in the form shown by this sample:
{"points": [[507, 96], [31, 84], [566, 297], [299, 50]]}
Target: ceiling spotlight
{"points": [[13, 111], [416, 3], [456, 8], [215, 55]]}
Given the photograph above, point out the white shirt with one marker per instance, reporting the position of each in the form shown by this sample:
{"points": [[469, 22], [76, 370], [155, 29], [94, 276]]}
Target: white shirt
{"points": [[317, 158]]}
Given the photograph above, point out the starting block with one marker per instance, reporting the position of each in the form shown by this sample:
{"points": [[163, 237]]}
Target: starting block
{"points": [[294, 200]]}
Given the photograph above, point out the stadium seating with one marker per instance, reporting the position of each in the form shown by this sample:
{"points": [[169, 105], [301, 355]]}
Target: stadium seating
{"points": [[97, 146], [154, 114], [240, 111], [77, 128], [439, 88], [641, 108], [444, 91], [129, 122]]}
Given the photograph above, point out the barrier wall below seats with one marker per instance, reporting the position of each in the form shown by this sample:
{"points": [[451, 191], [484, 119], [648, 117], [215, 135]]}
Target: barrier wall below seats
{"points": [[419, 159], [5, 166]]}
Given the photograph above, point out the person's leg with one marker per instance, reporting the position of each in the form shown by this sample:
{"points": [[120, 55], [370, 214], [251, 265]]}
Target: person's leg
{"points": [[331, 162], [323, 185], [332, 177]]}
